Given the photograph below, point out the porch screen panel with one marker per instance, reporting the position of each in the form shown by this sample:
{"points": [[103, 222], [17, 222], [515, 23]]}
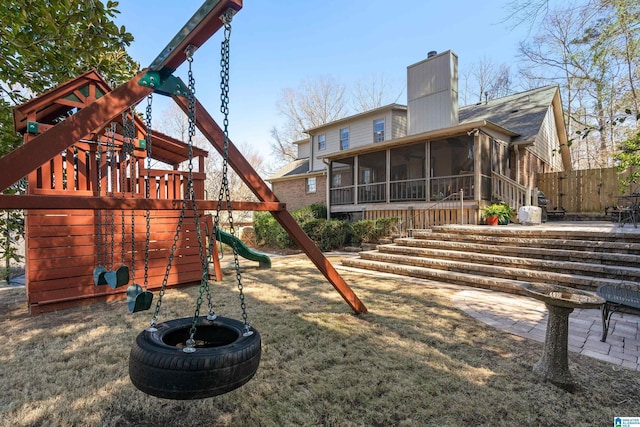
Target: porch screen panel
{"points": [[342, 182], [408, 173], [372, 176], [451, 166]]}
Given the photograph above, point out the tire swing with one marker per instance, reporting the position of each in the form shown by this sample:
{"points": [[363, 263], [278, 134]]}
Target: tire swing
{"points": [[202, 356]]}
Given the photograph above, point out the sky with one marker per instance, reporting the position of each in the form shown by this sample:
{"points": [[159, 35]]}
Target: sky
{"points": [[276, 44]]}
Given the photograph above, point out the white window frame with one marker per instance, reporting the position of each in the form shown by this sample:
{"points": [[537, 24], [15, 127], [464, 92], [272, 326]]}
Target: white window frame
{"points": [[311, 185], [378, 136], [342, 141], [322, 142]]}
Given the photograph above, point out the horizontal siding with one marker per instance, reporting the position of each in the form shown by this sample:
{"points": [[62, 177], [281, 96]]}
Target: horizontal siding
{"points": [[62, 251], [360, 134], [398, 127], [547, 144], [304, 150]]}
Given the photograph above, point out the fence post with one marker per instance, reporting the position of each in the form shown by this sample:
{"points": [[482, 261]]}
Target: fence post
{"points": [[461, 206]]}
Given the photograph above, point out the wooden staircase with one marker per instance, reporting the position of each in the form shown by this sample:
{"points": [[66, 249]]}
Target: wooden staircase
{"points": [[505, 257]]}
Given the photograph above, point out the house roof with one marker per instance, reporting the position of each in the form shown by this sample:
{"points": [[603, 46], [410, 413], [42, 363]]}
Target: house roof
{"points": [[64, 99], [356, 116], [518, 116], [296, 167], [522, 113]]}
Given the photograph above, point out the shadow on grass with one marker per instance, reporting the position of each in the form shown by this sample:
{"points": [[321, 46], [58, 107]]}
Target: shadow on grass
{"points": [[412, 360]]}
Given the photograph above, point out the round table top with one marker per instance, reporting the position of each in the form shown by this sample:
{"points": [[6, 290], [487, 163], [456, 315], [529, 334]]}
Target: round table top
{"points": [[563, 296]]}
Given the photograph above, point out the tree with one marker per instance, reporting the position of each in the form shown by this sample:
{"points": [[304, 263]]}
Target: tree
{"points": [[591, 49], [314, 103], [373, 92], [174, 122], [486, 80], [322, 100], [47, 43]]}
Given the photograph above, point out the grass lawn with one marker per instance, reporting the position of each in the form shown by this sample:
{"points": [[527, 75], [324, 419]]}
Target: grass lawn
{"points": [[413, 360]]}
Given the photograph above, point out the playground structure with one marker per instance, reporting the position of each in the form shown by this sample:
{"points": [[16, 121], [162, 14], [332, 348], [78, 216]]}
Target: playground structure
{"points": [[63, 197]]}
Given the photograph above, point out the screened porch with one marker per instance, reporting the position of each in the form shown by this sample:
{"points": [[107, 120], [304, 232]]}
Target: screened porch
{"points": [[420, 172]]}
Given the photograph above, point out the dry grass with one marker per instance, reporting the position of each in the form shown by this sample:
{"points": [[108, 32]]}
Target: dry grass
{"points": [[413, 360]]}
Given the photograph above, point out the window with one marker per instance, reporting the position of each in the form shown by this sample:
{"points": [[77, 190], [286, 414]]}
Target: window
{"points": [[344, 138], [378, 130], [311, 185], [322, 142]]}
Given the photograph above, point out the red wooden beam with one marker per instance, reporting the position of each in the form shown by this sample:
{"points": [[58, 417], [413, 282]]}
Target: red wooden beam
{"points": [[116, 203], [44, 147], [249, 176], [202, 25]]}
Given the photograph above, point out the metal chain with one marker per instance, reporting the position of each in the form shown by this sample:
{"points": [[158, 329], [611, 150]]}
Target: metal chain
{"points": [[132, 175], [224, 188], [99, 213], [121, 170], [154, 319], [112, 162], [204, 280], [147, 191]]}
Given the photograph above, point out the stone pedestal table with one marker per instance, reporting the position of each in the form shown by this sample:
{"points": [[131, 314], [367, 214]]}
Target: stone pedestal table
{"points": [[560, 301]]}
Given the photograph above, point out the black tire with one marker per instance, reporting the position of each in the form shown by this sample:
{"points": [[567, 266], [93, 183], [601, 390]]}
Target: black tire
{"points": [[223, 361]]}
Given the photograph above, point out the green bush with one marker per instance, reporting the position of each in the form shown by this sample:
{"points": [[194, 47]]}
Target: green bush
{"points": [[327, 234], [370, 231], [364, 231], [269, 232], [385, 225]]}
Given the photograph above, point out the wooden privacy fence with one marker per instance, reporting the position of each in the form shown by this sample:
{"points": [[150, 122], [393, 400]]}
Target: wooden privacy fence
{"points": [[588, 191]]}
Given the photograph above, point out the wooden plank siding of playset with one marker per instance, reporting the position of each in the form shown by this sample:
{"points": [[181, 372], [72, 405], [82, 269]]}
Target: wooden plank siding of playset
{"points": [[62, 246], [62, 253]]}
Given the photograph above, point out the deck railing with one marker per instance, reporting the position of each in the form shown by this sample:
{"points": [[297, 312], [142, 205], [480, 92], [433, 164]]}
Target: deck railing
{"points": [[372, 193], [509, 191], [408, 190]]}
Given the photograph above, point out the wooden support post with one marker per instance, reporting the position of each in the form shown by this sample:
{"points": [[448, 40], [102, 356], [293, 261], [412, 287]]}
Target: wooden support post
{"points": [[250, 177], [214, 246]]}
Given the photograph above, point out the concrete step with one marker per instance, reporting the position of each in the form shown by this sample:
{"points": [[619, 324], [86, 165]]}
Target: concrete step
{"points": [[455, 277], [578, 281], [614, 234], [500, 256], [505, 257], [545, 241], [553, 251]]}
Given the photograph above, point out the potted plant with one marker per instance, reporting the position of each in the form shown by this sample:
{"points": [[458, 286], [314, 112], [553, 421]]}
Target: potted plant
{"points": [[498, 213]]}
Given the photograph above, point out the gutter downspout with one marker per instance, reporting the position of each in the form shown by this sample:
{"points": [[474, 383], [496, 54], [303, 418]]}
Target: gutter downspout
{"points": [[327, 163]]}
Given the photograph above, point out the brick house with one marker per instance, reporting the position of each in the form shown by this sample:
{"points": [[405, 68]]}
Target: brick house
{"points": [[429, 162]]}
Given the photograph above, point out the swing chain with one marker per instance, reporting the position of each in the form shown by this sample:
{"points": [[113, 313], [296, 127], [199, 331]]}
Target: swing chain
{"points": [[147, 190], [99, 213], [224, 188], [204, 284], [121, 170], [112, 161]]}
